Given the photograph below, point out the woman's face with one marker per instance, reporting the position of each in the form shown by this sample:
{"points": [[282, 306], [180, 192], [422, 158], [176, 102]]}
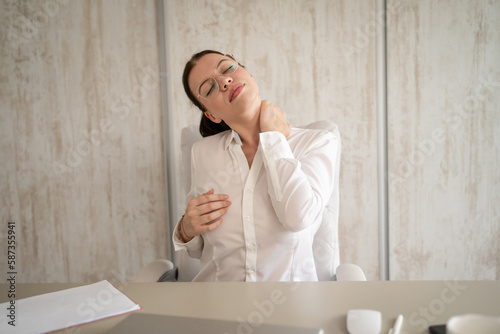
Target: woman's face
{"points": [[237, 95]]}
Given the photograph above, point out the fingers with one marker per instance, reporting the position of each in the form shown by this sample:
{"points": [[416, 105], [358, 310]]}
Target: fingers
{"points": [[265, 104], [204, 212], [213, 226], [207, 197], [272, 118], [211, 211]]}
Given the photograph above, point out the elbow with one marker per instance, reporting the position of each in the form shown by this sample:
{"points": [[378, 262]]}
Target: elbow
{"points": [[299, 216], [299, 222], [296, 227]]}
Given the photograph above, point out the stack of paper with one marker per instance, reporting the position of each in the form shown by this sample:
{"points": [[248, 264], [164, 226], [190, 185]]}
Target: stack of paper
{"points": [[67, 308]]}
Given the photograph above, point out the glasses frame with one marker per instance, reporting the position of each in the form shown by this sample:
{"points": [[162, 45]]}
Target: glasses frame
{"points": [[217, 73]]}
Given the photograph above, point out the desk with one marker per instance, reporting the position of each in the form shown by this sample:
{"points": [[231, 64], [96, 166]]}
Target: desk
{"points": [[319, 304]]}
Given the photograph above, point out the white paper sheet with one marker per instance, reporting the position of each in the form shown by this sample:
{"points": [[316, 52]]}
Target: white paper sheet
{"points": [[66, 308]]}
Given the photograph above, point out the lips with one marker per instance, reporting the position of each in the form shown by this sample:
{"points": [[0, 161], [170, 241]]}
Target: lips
{"points": [[235, 91]]}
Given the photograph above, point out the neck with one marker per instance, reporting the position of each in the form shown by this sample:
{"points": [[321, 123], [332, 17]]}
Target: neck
{"points": [[249, 128]]}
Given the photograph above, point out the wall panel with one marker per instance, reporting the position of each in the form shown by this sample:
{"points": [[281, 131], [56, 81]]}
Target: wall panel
{"points": [[82, 164], [444, 148]]}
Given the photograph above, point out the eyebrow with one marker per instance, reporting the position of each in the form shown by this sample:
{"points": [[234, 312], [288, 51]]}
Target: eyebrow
{"points": [[221, 61]]}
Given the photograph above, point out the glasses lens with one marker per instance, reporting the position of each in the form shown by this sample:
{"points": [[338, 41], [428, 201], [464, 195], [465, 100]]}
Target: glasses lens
{"points": [[209, 88], [227, 66]]}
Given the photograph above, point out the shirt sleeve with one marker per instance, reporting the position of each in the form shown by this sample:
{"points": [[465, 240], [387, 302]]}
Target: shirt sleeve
{"points": [[193, 246], [299, 188]]}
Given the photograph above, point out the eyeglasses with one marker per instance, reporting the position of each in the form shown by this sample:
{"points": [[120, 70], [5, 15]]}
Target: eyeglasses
{"points": [[210, 87]]}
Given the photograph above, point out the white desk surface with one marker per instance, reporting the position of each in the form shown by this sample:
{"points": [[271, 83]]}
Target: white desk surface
{"points": [[318, 304]]}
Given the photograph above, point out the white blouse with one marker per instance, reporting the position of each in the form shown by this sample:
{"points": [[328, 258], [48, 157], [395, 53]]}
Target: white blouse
{"points": [[277, 205]]}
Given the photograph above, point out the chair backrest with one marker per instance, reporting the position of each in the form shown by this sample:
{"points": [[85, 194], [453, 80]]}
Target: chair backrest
{"points": [[325, 246], [326, 241]]}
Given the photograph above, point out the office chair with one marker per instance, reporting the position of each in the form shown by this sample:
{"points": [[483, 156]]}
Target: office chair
{"points": [[325, 245]]}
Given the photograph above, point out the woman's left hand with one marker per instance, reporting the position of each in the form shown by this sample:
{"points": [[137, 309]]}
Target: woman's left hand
{"points": [[273, 119]]}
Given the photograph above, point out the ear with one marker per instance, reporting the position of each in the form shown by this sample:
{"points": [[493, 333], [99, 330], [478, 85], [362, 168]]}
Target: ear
{"points": [[211, 117]]}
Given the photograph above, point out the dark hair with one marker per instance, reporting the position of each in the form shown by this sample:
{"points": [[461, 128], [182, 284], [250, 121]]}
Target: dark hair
{"points": [[207, 127]]}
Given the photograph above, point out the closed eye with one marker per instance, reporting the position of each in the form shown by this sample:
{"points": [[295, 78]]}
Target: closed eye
{"points": [[230, 69], [212, 88]]}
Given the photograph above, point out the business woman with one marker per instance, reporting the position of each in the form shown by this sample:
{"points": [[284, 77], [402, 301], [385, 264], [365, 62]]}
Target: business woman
{"points": [[258, 186]]}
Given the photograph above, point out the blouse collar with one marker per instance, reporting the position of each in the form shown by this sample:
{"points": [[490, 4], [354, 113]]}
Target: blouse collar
{"points": [[233, 135]]}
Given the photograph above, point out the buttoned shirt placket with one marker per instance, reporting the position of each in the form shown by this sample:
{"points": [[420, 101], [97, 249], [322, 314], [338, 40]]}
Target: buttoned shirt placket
{"points": [[249, 179]]}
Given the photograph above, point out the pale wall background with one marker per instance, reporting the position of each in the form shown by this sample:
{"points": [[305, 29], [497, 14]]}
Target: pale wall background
{"points": [[83, 172], [444, 140], [82, 167]]}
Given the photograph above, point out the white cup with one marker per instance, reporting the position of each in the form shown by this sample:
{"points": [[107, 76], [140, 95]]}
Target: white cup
{"points": [[473, 323]]}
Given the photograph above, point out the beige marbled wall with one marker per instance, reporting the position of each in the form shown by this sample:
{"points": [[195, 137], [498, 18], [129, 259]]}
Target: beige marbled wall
{"points": [[82, 168], [444, 142], [313, 58]]}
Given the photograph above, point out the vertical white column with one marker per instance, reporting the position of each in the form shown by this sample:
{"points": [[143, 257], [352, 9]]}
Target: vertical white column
{"points": [[166, 106], [382, 172]]}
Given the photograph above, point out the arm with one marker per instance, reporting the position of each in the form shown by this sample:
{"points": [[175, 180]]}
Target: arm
{"points": [[299, 189]]}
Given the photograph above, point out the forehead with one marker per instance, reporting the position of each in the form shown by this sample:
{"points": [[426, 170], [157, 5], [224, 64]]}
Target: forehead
{"points": [[203, 69]]}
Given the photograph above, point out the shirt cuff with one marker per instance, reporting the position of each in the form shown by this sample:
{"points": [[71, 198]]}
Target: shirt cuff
{"points": [[179, 244], [275, 145]]}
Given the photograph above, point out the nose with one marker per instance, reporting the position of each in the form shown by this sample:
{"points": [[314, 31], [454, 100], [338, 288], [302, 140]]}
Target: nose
{"points": [[224, 82]]}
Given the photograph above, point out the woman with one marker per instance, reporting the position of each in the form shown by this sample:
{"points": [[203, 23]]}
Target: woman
{"points": [[258, 186]]}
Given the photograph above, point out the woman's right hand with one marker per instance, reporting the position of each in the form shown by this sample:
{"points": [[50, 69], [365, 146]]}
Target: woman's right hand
{"points": [[204, 212], [272, 118]]}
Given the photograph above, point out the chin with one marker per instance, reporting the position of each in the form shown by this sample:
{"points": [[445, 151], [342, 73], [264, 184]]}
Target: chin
{"points": [[249, 99]]}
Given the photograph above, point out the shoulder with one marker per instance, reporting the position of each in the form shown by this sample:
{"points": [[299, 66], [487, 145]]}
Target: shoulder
{"points": [[312, 137], [306, 142], [209, 147], [214, 141], [323, 127]]}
